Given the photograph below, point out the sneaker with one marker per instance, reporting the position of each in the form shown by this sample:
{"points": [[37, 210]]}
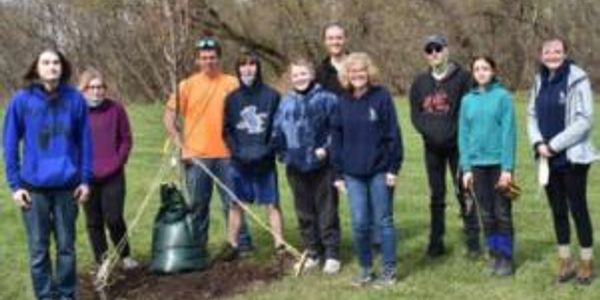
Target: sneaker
{"points": [[585, 272], [245, 251], [311, 263], [130, 263], [332, 266], [387, 278], [365, 277], [566, 270], [504, 267], [493, 262], [228, 253]]}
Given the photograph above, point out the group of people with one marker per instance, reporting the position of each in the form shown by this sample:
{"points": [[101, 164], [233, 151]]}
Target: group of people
{"points": [[336, 131]]}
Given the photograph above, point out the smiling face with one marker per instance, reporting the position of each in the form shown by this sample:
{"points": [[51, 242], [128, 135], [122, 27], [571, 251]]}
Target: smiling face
{"points": [[483, 72], [358, 76], [335, 41], [301, 77], [553, 54], [49, 67]]}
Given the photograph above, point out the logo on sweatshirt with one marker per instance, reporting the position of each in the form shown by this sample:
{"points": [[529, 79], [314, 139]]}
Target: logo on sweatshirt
{"points": [[437, 103], [252, 121], [373, 115]]}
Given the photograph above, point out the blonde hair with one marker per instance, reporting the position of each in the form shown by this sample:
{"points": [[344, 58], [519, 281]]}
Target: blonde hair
{"points": [[362, 59], [88, 75], [302, 62]]}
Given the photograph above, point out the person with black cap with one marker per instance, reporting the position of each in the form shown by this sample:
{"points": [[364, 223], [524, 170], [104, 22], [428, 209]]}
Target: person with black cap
{"points": [[201, 103], [249, 113], [435, 101]]}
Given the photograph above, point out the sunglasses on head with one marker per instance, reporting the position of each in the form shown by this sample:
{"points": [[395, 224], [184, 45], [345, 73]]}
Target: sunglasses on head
{"points": [[206, 43], [434, 48]]}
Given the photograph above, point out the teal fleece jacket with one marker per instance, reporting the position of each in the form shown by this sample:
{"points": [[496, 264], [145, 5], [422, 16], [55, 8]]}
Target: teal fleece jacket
{"points": [[487, 134]]}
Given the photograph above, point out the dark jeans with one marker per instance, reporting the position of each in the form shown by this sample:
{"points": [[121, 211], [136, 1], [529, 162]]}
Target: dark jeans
{"points": [[436, 161], [52, 212], [200, 187], [317, 211], [371, 203], [495, 211], [105, 208], [566, 191]]}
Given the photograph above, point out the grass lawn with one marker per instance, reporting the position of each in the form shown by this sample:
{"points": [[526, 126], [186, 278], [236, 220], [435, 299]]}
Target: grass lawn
{"points": [[453, 277]]}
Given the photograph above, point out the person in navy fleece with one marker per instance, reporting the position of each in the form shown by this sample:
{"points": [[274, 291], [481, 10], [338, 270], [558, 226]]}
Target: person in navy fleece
{"points": [[247, 127], [301, 136], [112, 143], [48, 121], [367, 154]]}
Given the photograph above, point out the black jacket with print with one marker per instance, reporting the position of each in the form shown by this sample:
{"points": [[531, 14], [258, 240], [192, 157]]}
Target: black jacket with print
{"points": [[434, 105]]}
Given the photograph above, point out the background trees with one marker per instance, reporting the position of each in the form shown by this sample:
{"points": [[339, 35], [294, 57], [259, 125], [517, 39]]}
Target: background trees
{"points": [[144, 45]]}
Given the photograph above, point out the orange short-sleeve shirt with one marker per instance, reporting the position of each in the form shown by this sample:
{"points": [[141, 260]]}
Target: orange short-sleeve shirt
{"points": [[202, 105]]}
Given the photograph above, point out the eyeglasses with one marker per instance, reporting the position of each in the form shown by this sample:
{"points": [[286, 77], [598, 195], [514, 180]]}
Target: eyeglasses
{"points": [[207, 43], [95, 87], [434, 48]]}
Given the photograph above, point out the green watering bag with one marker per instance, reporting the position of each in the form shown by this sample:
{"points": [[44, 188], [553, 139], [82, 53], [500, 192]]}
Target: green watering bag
{"points": [[176, 243]]}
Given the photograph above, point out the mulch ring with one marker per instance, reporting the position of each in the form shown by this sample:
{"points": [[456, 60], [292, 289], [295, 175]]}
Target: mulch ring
{"points": [[221, 280]]}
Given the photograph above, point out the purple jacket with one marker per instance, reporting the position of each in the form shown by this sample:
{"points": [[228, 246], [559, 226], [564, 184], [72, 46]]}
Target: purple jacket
{"points": [[111, 137]]}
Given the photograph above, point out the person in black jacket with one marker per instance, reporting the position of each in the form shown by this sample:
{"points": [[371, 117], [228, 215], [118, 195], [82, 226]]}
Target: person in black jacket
{"points": [[334, 39], [367, 154], [249, 113], [435, 101]]}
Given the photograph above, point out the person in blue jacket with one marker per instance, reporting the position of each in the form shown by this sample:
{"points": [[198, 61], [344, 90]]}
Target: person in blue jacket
{"points": [[247, 127], [487, 143], [48, 121], [367, 155], [301, 136]]}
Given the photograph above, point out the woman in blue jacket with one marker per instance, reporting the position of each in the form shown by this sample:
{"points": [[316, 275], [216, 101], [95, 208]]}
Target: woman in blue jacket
{"points": [[367, 154], [48, 119], [487, 141]]}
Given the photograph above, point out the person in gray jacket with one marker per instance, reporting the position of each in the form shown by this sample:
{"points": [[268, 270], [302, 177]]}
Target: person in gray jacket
{"points": [[559, 125]]}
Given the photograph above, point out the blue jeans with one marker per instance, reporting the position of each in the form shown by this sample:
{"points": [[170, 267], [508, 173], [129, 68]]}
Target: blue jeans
{"points": [[52, 211], [366, 194], [200, 187]]}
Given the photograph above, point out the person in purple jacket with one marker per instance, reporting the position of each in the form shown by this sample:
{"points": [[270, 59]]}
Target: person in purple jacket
{"points": [[112, 143], [48, 159]]}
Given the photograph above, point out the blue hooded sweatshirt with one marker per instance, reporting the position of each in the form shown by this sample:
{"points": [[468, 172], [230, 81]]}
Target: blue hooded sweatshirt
{"points": [[366, 135], [302, 124], [56, 148]]}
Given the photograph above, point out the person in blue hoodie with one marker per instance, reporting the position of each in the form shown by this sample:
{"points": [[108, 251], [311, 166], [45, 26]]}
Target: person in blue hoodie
{"points": [[487, 143], [48, 121], [301, 136], [248, 123], [367, 155]]}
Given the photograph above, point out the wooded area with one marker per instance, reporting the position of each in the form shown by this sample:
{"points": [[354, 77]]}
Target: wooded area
{"points": [[145, 45]]}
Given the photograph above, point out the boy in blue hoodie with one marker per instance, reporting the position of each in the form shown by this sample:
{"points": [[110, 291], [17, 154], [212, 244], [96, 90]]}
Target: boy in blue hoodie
{"points": [[48, 121], [301, 135], [249, 113]]}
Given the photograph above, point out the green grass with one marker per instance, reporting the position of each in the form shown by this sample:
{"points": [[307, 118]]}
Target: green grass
{"points": [[454, 277]]}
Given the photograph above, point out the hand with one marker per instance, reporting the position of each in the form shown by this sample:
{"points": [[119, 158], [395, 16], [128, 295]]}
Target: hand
{"points": [[505, 180], [390, 179], [544, 151], [467, 180], [340, 185], [82, 193], [21, 198], [321, 153]]}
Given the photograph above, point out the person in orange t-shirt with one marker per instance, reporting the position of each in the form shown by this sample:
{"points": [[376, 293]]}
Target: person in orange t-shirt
{"points": [[201, 105]]}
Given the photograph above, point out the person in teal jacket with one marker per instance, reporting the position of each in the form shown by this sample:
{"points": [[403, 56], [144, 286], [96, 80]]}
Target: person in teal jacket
{"points": [[487, 143]]}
